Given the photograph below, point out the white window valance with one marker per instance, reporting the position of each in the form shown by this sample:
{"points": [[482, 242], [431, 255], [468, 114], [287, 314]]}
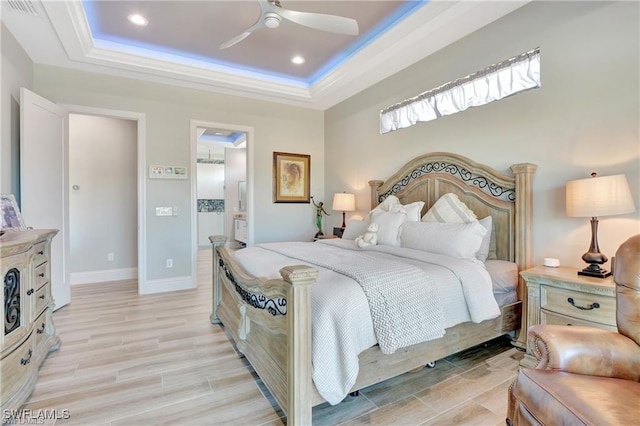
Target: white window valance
{"points": [[490, 84]]}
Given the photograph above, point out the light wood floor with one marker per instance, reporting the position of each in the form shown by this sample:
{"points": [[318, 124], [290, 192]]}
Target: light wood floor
{"points": [[144, 360]]}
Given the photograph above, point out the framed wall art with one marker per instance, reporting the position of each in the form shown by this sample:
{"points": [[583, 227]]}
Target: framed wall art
{"points": [[11, 216], [291, 178], [167, 172]]}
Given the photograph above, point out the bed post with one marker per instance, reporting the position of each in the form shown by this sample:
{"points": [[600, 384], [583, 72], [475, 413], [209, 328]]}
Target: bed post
{"points": [[299, 377], [216, 241], [375, 185], [524, 218]]}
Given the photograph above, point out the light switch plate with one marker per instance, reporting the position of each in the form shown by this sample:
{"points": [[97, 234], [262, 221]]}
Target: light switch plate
{"points": [[164, 211]]}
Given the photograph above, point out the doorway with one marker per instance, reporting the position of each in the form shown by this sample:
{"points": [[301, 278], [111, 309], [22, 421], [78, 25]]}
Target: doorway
{"points": [[135, 265], [102, 199], [222, 185]]}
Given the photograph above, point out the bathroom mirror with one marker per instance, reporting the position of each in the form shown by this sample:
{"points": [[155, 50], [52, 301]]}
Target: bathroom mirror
{"points": [[242, 196]]}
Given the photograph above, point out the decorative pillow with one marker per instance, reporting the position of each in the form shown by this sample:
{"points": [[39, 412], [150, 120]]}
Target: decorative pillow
{"points": [[449, 209], [389, 225], [413, 210], [354, 228], [483, 252], [384, 206], [460, 240]]}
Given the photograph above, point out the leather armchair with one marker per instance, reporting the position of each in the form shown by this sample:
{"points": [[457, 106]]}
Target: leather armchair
{"points": [[586, 375]]}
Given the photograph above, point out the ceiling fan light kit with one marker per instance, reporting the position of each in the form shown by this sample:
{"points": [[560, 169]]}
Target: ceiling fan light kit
{"points": [[271, 20], [271, 13]]}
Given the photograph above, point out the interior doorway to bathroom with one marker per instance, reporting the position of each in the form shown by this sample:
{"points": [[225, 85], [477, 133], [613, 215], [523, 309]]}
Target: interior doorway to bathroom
{"points": [[221, 182]]}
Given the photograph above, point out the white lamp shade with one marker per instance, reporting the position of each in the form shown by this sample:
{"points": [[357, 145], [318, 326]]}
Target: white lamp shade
{"points": [[344, 202], [599, 196]]}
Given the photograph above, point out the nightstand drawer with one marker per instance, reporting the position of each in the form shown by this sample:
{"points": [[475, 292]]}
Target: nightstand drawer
{"points": [[557, 319], [585, 306]]}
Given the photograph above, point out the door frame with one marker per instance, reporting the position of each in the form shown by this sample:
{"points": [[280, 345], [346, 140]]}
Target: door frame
{"points": [[140, 118], [194, 124]]}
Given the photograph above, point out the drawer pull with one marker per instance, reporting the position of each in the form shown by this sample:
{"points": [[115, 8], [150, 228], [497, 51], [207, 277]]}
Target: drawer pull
{"points": [[594, 305], [41, 252], [41, 275], [28, 360], [29, 292], [41, 297], [41, 329]]}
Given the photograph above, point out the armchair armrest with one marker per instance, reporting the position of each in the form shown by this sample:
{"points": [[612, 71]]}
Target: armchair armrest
{"points": [[585, 350]]}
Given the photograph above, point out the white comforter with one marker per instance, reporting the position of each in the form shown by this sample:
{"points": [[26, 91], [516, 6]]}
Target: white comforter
{"points": [[342, 325]]}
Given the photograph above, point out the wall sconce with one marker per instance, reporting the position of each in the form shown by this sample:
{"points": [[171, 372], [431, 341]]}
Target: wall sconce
{"points": [[344, 202], [593, 197]]}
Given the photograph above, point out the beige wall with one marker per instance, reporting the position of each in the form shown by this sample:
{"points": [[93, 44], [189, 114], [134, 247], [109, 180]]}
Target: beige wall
{"points": [[168, 112], [17, 71], [584, 118]]}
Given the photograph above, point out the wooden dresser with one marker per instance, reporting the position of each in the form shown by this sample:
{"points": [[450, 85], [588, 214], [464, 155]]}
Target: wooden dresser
{"points": [[561, 296], [27, 306]]}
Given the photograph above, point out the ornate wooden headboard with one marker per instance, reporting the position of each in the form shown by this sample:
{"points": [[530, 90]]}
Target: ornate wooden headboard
{"points": [[484, 190], [508, 199]]}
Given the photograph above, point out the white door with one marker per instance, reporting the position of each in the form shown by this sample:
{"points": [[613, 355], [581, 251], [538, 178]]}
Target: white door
{"points": [[43, 180]]}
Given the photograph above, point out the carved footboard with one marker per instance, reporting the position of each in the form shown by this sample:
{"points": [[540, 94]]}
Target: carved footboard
{"points": [[270, 321]]}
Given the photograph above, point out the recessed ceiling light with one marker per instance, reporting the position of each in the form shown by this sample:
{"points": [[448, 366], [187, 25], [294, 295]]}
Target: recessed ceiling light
{"points": [[298, 60], [137, 19]]}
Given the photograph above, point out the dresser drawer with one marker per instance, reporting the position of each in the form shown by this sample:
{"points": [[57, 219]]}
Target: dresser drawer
{"points": [[42, 275], [39, 329], [557, 319], [41, 300], [15, 368], [574, 304], [40, 251]]}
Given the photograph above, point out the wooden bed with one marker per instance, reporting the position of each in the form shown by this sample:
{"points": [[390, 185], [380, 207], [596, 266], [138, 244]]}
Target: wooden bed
{"points": [[270, 320]]}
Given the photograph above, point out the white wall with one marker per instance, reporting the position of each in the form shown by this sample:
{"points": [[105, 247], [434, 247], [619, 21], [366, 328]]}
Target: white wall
{"points": [[210, 185], [235, 166], [16, 70], [168, 111], [584, 118], [103, 211]]}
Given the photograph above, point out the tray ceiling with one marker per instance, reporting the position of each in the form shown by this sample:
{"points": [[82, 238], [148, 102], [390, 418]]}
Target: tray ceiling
{"points": [[180, 44]]}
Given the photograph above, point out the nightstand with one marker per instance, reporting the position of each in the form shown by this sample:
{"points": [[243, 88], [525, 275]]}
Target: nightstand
{"points": [[561, 296], [325, 237]]}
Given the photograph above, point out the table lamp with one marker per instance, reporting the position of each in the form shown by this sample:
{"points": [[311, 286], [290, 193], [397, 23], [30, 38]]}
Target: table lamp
{"points": [[344, 202], [593, 197]]}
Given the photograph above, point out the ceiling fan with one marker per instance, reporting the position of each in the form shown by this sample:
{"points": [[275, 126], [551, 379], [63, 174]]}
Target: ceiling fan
{"points": [[271, 13]]}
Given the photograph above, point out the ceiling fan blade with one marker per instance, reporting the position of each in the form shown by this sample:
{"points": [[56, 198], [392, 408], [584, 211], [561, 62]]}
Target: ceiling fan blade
{"points": [[237, 39], [322, 22], [246, 33]]}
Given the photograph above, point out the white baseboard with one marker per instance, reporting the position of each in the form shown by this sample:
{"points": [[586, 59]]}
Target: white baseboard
{"points": [[92, 277], [167, 284]]}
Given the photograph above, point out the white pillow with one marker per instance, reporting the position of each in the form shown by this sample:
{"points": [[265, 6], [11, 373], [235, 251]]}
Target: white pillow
{"points": [[460, 240], [389, 225], [354, 228], [413, 210], [449, 209], [483, 252], [384, 206]]}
